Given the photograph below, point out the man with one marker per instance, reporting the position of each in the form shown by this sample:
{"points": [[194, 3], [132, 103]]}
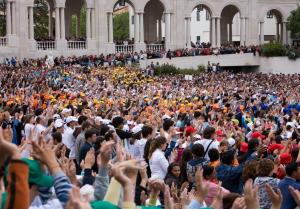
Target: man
{"points": [[292, 176], [90, 137], [208, 142], [68, 138]]}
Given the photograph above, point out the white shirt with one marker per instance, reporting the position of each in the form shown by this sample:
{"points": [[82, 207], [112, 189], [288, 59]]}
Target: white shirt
{"points": [[205, 143], [141, 148], [69, 140], [40, 128], [158, 164], [27, 129]]}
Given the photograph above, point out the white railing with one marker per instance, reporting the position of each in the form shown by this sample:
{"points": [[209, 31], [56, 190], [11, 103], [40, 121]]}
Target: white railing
{"points": [[155, 47], [45, 45], [124, 48], [3, 41], [76, 45]]}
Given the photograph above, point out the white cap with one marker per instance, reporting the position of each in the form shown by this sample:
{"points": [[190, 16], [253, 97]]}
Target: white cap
{"points": [[88, 191], [231, 141], [71, 119], [137, 128], [290, 124], [166, 117], [105, 121], [98, 119], [58, 123], [56, 116], [66, 111]]}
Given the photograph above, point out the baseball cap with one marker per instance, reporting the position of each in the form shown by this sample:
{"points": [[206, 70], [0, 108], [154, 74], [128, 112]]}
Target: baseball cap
{"points": [[257, 135], [137, 128], [58, 123], [274, 147], [71, 119]]}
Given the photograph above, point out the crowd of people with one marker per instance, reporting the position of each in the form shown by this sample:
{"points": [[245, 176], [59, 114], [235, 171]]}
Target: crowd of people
{"points": [[107, 137]]}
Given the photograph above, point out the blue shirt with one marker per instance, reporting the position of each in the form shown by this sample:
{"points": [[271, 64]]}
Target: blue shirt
{"points": [[288, 201]]}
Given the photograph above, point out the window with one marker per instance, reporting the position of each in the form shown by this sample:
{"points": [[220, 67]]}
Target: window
{"points": [[198, 38], [207, 15], [132, 19], [198, 15]]}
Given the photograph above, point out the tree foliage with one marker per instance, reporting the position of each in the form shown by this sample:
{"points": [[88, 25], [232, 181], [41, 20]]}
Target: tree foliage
{"points": [[82, 22], [274, 50], [40, 18], [121, 26], [294, 23], [2, 18]]}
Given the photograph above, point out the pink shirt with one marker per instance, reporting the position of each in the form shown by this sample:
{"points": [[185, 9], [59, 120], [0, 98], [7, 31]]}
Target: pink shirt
{"points": [[212, 192]]}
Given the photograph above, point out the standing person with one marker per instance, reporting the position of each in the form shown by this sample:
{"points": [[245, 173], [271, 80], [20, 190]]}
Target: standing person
{"points": [[157, 160], [291, 180], [90, 137], [147, 133], [208, 142], [169, 55]]}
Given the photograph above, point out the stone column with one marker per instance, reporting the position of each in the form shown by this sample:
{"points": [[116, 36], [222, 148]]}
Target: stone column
{"points": [[246, 31], [230, 32], [277, 32], [284, 33], [262, 33], [111, 28], [62, 25], [218, 31], [142, 28], [8, 18], [50, 24], [167, 26], [88, 23], [213, 31], [31, 27], [242, 33], [57, 24], [93, 24], [13, 15], [136, 28], [188, 32], [159, 30]]}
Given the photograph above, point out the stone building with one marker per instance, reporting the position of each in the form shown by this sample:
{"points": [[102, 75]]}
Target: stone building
{"points": [[176, 15]]}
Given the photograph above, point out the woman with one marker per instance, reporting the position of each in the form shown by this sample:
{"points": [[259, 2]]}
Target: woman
{"points": [[265, 169], [29, 125], [157, 160], [173, 175]]}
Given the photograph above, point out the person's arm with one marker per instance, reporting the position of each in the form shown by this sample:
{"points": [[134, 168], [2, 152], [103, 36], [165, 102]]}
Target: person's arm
{"points": [[170, 148], [18, 187], [87, 177]]}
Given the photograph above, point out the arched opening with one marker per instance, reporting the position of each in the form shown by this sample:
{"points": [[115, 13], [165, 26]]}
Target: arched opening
{"points": [[232, 26], [42, 20], [200, 26], [154, 23], [75, 20], [123, 23], [273, 26], [2, 18]]}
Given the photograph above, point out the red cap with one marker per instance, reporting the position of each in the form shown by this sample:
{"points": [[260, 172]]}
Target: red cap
{"points": [[274, 147], [219, 133], [285, 158], [244, 147], [257, 135], [189, 130]]}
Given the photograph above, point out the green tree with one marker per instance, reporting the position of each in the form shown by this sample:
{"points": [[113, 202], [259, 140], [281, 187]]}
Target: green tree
{"points": [[2, 18], [83, 22], [294, 23], [40, 18], [121, 26], [73, 25]]}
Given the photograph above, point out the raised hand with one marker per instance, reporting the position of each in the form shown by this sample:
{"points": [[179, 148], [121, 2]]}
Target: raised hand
{"points": [[275, 197], [251, 197]]}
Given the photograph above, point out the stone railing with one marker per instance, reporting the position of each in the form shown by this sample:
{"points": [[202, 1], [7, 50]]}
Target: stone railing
{"points": [[3, 41], [155, 47], [76, 45], [124, 48], [45, 45]]}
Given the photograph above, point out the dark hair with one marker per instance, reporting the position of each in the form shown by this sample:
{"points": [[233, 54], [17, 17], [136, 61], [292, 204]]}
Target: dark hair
{"points": [[227, 157], [38, 119], [207, 171], [229, 199], [208, 132], [28, 118], [291, 168], [264, 167], [249, 171], [146, 131], [57, 137], [252, 144], [294, 154], [213, 155], [278, 139], [117, 121], [85, 125], [156, 143], [82, 119], [171, 166], [103, 129], [197, 114], [167, 124], [198, 150], [147, 149], [89, 133]]}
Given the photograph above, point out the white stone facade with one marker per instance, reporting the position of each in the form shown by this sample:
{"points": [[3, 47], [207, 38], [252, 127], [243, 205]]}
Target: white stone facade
{"points": [[175, 14]]}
